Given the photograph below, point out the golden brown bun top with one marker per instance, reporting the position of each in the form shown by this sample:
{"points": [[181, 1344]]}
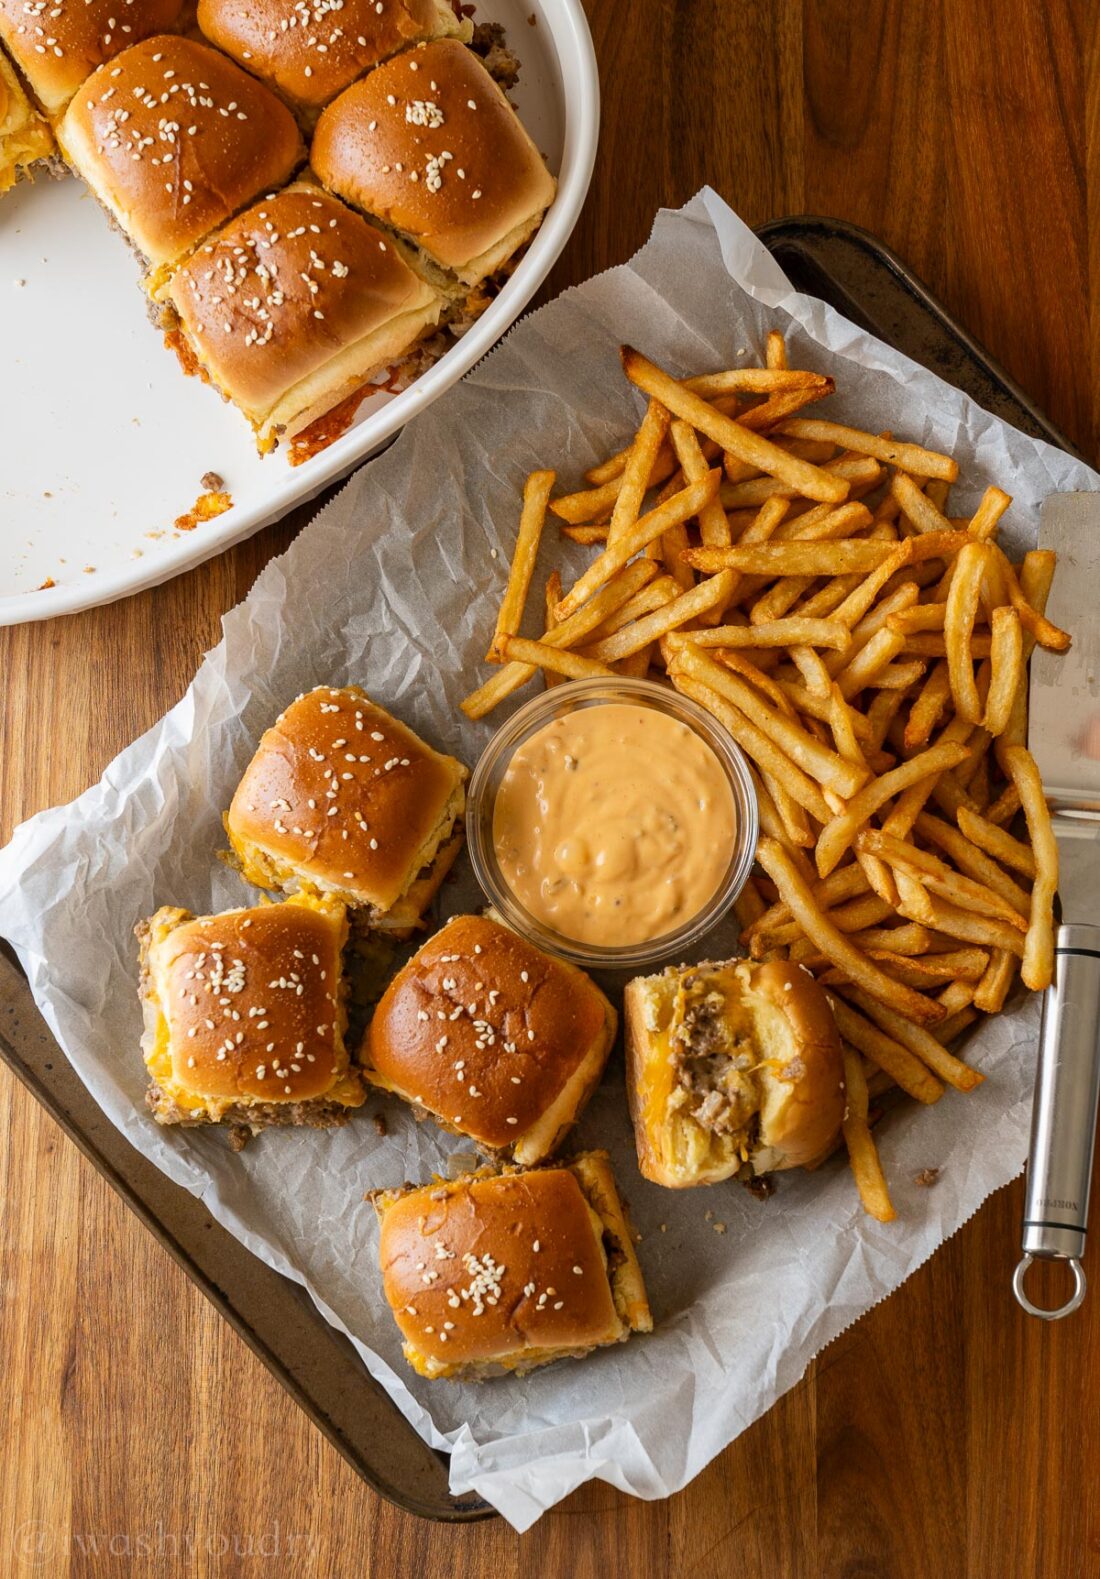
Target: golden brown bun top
{"points": [[59, 43], [429, 143], [335, 763], [484, 1029], [252, 999], [175, 138], [807, 1121], [309, 49], [483, 1268], [284, 287]]}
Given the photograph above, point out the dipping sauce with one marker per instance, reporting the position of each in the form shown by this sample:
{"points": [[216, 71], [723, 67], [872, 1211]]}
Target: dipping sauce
{"points": [[614, 824]]}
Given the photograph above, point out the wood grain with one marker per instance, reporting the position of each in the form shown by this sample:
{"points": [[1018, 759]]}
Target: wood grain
{"points": [[944, 1435]]}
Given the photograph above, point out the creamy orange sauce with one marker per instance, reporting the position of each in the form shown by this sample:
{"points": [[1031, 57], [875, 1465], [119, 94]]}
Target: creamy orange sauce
{"points": [[614, 824]]}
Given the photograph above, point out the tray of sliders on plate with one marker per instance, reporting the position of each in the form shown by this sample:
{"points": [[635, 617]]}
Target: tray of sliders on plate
{"points": [[316, 1363], [330, 212]]}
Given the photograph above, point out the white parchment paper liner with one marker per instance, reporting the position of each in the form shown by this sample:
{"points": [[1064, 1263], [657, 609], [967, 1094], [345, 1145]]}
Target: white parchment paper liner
{"points": [[395, 585]]}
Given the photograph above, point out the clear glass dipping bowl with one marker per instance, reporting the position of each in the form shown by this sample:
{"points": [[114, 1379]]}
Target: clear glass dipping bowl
{"points": [[553, 703]]}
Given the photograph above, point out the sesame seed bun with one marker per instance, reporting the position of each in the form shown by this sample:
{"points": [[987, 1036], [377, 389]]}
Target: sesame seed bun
{"points": [[500, 1272], [58, 45], [786, 1085], [430, 145], [335, 764], [245, 1017], [310, 50], [173, 139], [493, 1038], [24, 136], [296, 304]]}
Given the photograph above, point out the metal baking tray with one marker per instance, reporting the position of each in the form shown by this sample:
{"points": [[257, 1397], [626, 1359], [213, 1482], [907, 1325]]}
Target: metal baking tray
{"points": [[318, 1366]]}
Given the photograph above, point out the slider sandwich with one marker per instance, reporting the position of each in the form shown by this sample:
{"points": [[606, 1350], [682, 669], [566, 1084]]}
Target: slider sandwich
{"points": [[492, 1038], [293, 306], [26, 143], [57, 44], [343, 799], [311, 50], [497, 1273], [245, 1017], [173, 139], [428, 144], [732, 1069]]}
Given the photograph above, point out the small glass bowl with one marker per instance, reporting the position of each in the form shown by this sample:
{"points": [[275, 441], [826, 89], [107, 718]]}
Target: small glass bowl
{"points": [[554, 703]]}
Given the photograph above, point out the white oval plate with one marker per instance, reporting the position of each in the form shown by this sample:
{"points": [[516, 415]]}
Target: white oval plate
{"points": [[105, 442]]}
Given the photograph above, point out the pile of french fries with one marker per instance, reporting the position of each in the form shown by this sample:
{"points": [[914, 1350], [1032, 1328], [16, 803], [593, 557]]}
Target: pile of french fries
{"points": [[806, 583]]}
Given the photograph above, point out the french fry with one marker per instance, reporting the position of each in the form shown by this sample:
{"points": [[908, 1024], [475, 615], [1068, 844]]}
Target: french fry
{"points": [[588, 505], [570, 632], [1036, 575], [681, 507], [860, 671], [971, 860], [778, 633], [939, 878], [842, 829], [859, 472], [862, 1151], [917, 904], [906, 457], [972, 566], [818, 761], [1007, 659], [928, 707], [791, 559], [992, 990], [1004, 808], [916, 506], [664, 620], [1047, 635], [952, 1071], [809, 480], [558, 660], [553, 595], [585, 535], [776, 350], [984, 521], [887, 1054], [995, 841], [757, 745], [832, 942], [908, 939], [536, 492], [1037, 970], [638, 470], [750, 381]]}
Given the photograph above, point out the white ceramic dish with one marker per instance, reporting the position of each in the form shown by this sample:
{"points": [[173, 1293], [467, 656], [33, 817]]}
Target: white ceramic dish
{"points": [[105, 442]]}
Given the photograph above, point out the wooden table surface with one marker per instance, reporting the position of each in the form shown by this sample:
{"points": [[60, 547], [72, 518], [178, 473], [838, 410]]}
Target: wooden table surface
{"points": [[944, 1434]]}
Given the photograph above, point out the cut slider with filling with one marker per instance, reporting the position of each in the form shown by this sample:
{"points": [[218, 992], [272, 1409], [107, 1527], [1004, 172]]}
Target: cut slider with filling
{"points": [[174, 139], [245, 1017], [57, 44], [26, 142], [497, 1273], [732, 1068], [429, 144], [293, 306], [342, 798], [492, 1038], [310, 50]]}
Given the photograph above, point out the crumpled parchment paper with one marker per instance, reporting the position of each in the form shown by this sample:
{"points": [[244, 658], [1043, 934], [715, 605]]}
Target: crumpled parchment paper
{"points": [[395, 585]]}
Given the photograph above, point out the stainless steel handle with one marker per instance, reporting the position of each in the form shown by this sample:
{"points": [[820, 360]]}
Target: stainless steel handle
{"points": [[1063, 1120]]}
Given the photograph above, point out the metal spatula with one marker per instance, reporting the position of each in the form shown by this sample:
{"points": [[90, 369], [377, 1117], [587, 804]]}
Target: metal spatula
{"points": [[1064, 738]]}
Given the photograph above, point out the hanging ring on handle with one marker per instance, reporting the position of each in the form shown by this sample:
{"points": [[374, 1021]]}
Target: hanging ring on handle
{"points": [[1071, 1304]]}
